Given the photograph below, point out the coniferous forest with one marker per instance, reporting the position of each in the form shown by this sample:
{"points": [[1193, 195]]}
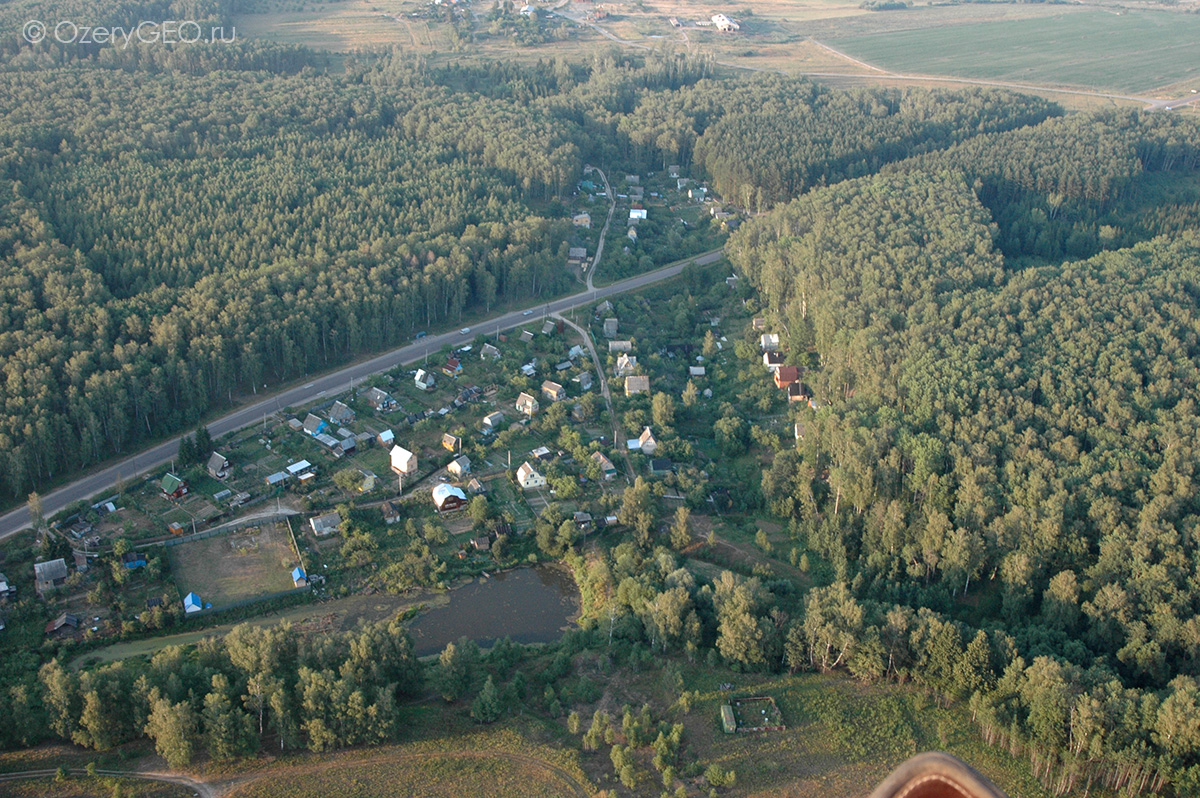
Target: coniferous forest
{"points": [[997, 303]]}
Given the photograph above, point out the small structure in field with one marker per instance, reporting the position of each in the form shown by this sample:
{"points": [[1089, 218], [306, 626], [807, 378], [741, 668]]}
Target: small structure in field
{"points": [[757, 713]]}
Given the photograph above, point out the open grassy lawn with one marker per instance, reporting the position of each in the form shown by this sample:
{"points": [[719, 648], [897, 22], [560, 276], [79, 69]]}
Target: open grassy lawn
{"points": [[91, 787], [497, 763], [228, 568], [1134, 51]]}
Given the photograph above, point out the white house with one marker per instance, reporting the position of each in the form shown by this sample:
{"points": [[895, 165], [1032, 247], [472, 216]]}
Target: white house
{"points": [[424, 380], [769, 342], [403, 461], [724, 23], [637, 214], [527, 478], [625, 364], [459, 466], [526, 404]]}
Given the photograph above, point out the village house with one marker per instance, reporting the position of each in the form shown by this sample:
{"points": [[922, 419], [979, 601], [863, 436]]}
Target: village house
{"points": [[610, 328], [526, 404], [489, 352], [636, 193], [647, 443], [633, 180], [660, 467], [451, 443], [796, 393], [553, 391], [673, 170], [582, 220], [724, 23], [492, 421], [696, 371], [386, 438], [772, 360], [526, 337], [620, 346], [577, 256], [528, 478], [133, 560], [403, 461], [549, 327], [625, 364], [299, 578], [582, 519], [637, 384], [391, 512], [475, 487], [798, 431], [7, 589], [49, 575], [636, 215], [173, 487], [584, 379], [769, 342], [632, 235], [459, 467], [424, 380], [447, 498], [452, 367], [324, 525], [218, 466], [380, 400], [786, 375], [607, 469], [300, 468], [341, 414]]}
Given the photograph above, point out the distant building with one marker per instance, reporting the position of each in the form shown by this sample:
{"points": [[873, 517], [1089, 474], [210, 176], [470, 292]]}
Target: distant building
{"points": [[724, 23], [696, 371], [489, 352], [528, 478], [341, 414], [218, 466], [67, 620], [447, 498], [192, 603], [637, 214], [607, 469], [548, 327], [582, 220], [526, 404], [299, 468], [324, 525], [459, 467], [637, 384], [553, 391], [173, 487], [380, 400], [403, 461], [620, 346], [576, 256], [49, 575], [610, 328]]}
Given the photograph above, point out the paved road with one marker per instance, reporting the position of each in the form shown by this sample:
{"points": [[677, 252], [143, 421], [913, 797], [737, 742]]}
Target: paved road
{"points": [[330, 384]]}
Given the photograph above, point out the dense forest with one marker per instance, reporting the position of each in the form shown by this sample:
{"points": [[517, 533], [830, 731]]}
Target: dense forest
{"points": [[1022, 436]]}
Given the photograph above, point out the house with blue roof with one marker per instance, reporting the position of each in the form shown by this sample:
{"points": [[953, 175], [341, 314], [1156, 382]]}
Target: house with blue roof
{"points": [[299, 578], [192, 603]]}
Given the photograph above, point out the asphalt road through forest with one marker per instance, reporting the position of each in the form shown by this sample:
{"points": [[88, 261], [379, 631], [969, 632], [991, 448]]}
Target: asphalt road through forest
{"points": [[329, 384]]}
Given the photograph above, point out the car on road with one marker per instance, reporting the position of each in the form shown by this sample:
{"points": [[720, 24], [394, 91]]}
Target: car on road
{"points": [[527, 313], [464, 330], [420, 335]]}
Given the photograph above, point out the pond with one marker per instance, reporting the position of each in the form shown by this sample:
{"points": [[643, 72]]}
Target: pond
{"points": [[530, 605]]}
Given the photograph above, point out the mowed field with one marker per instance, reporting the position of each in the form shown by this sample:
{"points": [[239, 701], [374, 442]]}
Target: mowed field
{"points": [[1133, 51], [228, 568]]}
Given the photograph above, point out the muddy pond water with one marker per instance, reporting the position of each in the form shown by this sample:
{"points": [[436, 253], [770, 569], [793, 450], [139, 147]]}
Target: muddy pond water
{"points": [[530, 605]]}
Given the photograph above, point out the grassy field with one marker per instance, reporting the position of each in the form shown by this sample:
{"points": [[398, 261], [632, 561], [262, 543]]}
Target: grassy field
{"points": [[498, 762], [228, 568], [89, 787], [1135, 51]]}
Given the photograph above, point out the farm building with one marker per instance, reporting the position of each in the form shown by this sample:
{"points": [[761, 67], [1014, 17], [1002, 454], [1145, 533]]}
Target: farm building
{"points": [[528, 478], [218, 466], [447, 498], [724, 23], [403, 461], [49, 575], [728, 721], [323, 525]]}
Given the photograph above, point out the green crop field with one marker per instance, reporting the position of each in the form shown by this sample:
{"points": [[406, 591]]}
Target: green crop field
{"points": [[228, 568], [1130, 51]]}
